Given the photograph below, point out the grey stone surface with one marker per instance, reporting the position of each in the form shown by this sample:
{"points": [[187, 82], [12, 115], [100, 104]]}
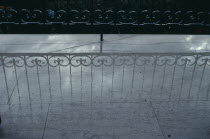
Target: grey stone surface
{"points": [[82, 106], [105, 120], [23, 121], [112, 43], [183, 120]]}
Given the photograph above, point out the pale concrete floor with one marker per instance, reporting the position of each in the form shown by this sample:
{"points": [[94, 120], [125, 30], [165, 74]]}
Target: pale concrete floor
{"points": [[112, 43], [123, 112]]}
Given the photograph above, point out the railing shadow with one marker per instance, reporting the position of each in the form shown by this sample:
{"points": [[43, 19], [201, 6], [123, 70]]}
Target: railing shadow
{"points": [[105, 77]]}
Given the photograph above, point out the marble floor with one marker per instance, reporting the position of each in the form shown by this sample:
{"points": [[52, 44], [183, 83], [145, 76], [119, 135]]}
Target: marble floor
{"points": [[139, 87]]}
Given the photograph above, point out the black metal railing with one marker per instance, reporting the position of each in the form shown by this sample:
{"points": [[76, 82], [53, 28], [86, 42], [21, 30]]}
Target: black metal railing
{"points": [[130, 16], [106, 77]]}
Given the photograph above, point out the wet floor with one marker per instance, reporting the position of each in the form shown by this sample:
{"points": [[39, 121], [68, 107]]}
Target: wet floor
{"points": [[140, 86]]}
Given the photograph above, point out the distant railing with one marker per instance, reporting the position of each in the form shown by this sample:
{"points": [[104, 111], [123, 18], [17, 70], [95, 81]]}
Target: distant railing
{"points": [[93, 16], [106, 76]]}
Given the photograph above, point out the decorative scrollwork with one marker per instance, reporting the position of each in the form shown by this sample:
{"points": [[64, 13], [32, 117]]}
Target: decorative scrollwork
{"points": [[194, 17], [109, 17], [127, 18], [79, 17], [2, 16], [150, 17], [56, 17], [106, 17], [11, 16], [27, 16], [170, 17]]}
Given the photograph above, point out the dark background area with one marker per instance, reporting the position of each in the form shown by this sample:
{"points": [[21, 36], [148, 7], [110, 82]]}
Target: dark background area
{"points": [[143, 4]]}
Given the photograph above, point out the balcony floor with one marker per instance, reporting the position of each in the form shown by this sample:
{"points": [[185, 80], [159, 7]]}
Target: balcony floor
{"points": [[112, 43], [99, 103]]}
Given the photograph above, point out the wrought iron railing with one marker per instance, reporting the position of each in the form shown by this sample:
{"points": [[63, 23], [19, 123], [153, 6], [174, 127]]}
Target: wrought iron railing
{"points": [[115, 77], [104, 17]]}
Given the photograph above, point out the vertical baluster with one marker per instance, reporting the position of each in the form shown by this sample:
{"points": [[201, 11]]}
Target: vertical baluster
{"points": [[129, 7], [92, 12], [115, 15], [44, 11], [68, 11], [55, 8], [138, 11], [101, 46], [103, 8], [18, 20]]}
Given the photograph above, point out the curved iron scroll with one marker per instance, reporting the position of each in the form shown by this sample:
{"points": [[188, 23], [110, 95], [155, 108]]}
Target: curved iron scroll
{"points": [[109, 17]]}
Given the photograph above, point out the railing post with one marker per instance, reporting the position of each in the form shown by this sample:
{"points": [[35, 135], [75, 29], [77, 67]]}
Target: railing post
{"points": [[92, 10], [102, 37], [101, 46], [44, 11], [68, 12], [138, 11]]}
